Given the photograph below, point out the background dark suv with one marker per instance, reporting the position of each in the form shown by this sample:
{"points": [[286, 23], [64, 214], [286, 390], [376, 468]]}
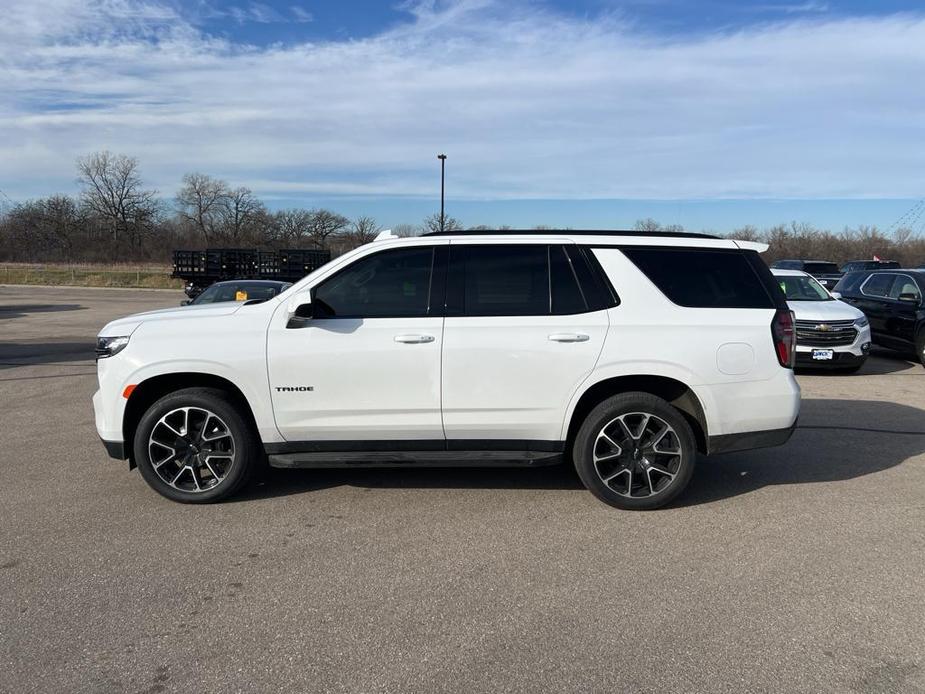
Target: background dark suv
{"points": [[892, 302], [860, 265]]}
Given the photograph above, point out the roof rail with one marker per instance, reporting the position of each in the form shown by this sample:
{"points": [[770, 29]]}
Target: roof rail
{"points": [[569, 232]]}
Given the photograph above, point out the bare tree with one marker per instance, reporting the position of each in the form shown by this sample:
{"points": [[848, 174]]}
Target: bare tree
{"points": [[325, 224], [243, 216], [363, 230], [112, 191], [650, 225], [201, 202], [435, 223], [294, 226]]}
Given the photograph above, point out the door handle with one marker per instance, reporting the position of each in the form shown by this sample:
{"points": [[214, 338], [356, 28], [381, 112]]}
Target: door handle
{"points": [[569, 337], [414, 339]]}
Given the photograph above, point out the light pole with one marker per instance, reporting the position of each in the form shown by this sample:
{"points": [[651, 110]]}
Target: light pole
{"points": [[442, 158]]}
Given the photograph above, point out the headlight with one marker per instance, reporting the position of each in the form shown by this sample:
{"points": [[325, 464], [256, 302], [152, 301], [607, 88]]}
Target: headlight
{"points": [[109, 346], [861, 322]]}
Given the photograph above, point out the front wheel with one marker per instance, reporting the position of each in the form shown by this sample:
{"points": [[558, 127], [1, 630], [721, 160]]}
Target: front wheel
{"points": [[920, 346], [635, 451], [194, 446]]}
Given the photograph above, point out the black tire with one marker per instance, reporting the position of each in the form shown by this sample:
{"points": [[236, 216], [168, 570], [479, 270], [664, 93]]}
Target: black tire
{"points": [[229, 423], [920, 346], [645, 462]]}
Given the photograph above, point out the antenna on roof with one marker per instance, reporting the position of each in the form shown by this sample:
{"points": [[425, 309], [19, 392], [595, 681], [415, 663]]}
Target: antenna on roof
{"points": [[385, 234]]}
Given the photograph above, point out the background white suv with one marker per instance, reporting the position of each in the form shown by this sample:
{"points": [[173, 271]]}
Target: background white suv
{"points": [[830, 333], [626, 353]]}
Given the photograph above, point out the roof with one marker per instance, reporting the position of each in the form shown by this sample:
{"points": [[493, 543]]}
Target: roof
{"points": [[777, 272], [570, 232]]}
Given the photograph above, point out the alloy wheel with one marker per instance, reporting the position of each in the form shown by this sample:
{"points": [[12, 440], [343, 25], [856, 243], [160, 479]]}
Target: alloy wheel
{"points": [[191, 449], [637, 454]]}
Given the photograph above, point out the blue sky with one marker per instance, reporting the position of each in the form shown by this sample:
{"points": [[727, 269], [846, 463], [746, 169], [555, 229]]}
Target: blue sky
{"points": [[591, 113]]}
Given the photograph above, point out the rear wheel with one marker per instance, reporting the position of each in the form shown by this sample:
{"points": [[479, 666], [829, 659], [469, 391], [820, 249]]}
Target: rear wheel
{"points": [[194, 446], [635, 451]]}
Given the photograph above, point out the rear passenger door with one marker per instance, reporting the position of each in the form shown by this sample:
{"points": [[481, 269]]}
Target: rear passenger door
{"points": [[525, 324], [903, 313], [875, 303]]}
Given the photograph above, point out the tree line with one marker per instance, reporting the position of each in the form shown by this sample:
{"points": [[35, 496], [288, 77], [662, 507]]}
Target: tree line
{"points": [[115, 218]]}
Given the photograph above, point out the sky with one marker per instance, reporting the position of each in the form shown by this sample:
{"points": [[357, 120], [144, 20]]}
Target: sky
{"points": [[588, 113]]}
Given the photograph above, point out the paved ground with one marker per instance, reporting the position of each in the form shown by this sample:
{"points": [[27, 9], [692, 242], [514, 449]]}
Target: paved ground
{"points": [[798, 569]]}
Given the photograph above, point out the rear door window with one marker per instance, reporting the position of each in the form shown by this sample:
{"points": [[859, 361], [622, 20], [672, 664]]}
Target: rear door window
{"points": [[700, 278], [519, 280], [878, 285]]}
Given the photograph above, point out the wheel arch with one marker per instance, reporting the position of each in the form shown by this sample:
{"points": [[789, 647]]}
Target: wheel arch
{"points": [[675, 392], [152, 389]]}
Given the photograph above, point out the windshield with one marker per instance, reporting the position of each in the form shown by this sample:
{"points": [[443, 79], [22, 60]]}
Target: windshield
{"points": [[800, 288], [238, 291]]}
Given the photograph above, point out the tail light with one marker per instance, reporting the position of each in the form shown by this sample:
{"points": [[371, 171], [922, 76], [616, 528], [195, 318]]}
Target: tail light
{"points": [[784, 333]]}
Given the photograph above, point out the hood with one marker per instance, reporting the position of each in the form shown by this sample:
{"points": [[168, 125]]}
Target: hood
{"points": [[128, 325], [824, 310]]}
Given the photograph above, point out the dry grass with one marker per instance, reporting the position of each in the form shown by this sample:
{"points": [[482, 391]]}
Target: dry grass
{"points": [[86, 275]]}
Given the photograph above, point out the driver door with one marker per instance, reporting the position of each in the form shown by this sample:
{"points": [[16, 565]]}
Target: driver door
{"points": [[366, 365]]}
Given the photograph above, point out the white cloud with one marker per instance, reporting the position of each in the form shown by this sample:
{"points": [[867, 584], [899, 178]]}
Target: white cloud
{"points": [[301, 14], [526, 104]]}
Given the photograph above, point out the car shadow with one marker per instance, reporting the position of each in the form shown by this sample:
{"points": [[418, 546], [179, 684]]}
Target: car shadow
{"points": [[881, 362], [13, 354], [835, 440], [20, 310], [879, 436]]}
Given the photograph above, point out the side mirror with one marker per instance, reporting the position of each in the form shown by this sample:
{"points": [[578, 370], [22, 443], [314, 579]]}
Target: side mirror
{"points": [[835, 295], [301, 316], [909, 296]]}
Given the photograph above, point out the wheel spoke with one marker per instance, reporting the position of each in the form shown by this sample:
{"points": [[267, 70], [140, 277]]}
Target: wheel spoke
{"points": [[218, 478], [194, 473]]}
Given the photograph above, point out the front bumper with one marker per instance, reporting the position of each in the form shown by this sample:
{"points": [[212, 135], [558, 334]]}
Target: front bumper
{"points": [[115, 449], [839, 360]]}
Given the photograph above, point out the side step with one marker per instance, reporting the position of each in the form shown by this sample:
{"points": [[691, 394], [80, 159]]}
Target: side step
{"points": [[399, 459]]}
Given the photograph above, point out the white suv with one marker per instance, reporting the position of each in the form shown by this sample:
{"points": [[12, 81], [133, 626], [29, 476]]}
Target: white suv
{"points": [[627, 353]]}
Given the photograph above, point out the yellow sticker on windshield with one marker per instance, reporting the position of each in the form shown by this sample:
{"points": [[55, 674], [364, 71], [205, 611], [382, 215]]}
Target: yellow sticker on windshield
{"points": [[240, 295]]}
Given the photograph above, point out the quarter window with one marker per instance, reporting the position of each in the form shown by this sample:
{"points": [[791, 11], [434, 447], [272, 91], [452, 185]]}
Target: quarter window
{"points": [[904, 285], [391, 284], [701, 278]]}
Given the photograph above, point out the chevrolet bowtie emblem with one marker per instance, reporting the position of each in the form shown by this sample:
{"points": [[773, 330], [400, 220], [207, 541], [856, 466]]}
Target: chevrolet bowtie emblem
{"points": [[823, 327]]}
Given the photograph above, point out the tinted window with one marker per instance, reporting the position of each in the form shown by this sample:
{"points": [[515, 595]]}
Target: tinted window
{"points": [[820, 268], [787, 265], [391, 284], [850, 282], [567, 296], [502, 280], [878, 284], [702, 278], [904, 285]]}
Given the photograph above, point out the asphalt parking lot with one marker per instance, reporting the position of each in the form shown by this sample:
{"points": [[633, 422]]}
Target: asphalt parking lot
{"points": [[797, 569]]}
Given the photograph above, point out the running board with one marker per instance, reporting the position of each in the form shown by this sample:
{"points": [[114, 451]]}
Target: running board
{"points": [[399, 459]]}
